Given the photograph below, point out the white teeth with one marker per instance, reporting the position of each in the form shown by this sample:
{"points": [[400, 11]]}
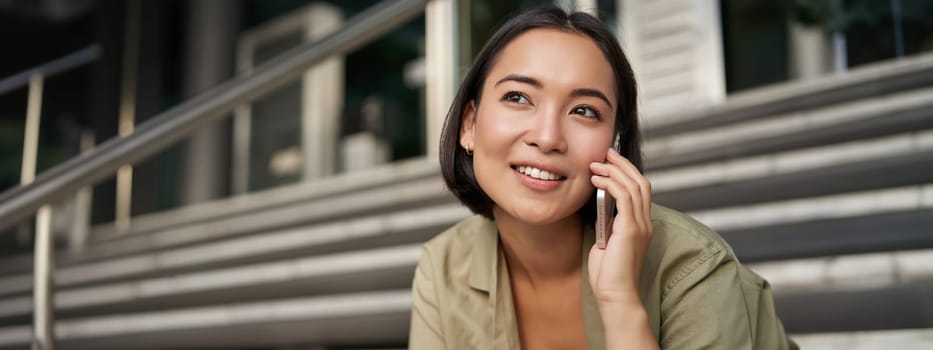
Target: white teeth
{"points": [[537, 173]]}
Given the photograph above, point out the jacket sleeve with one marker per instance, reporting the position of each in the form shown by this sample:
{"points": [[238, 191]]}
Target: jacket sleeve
{"points": [[719, 304], [425, 332]]}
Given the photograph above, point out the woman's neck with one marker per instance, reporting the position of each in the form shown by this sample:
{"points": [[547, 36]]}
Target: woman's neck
{"points": [[541, 253]]}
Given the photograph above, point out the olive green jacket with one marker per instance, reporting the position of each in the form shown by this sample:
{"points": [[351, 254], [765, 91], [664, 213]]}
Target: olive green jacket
{"points": [[696, 293]]}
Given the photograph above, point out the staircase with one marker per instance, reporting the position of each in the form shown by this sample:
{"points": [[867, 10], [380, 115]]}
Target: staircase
{"points": [[825, 187], [325, 263]]}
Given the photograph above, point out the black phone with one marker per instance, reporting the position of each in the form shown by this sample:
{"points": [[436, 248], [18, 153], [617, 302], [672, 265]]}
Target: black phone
{"points": [[605, 208]]}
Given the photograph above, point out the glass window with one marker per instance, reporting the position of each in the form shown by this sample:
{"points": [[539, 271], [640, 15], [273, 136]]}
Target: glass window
{"points": [[275, 123], [481, 19], [883, 29], [754, 43], [607, 11], [381, 101]]}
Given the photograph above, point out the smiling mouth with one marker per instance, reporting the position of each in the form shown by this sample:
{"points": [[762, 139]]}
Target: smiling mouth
{"points": [[538, 173]]}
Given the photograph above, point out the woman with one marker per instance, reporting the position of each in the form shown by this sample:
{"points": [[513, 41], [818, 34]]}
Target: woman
{"points": [[525, 146]]}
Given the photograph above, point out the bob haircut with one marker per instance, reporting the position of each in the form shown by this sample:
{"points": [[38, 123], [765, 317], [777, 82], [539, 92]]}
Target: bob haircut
{"points": [[457, 165]]}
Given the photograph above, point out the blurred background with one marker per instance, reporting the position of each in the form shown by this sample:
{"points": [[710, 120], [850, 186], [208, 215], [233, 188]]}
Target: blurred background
{"points": [[252, 174]]}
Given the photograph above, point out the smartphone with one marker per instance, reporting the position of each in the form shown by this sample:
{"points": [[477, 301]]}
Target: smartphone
{"points": [[605, 208]]}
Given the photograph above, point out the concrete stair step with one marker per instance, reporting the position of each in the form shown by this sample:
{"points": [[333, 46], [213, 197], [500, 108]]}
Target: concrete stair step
{"points": [[872, 220], [862, 82], [840, 272], [870, 117], [356, 271], [890, 161], [353, 319], [813, 209], [403, 227], [882, 232], [409, 184], [897, 306], [901, 339]]}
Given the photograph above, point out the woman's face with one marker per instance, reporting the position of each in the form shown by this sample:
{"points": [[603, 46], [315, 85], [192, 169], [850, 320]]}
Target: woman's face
{"points": [[547, 111]]}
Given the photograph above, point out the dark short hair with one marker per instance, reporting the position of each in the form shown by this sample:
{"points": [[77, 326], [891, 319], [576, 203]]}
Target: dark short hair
{"points": [[457, 165]]}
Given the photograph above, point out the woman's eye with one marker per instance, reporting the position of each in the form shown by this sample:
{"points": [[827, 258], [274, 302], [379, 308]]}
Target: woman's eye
{"points": [[515, 97], [587, 112]]}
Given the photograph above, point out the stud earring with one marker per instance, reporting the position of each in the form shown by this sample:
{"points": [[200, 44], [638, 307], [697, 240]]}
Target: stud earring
{"points": [[469, 150]]}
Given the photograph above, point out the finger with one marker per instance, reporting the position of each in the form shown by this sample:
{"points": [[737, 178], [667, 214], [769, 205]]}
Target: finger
{"points": [[621, 189], [614, 157], [598, 168], [644, 185], [625, 203], [631, 187], [614, 173]]}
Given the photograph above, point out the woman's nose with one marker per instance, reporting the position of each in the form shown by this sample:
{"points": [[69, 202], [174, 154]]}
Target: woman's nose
{"points": [[546, 133]]}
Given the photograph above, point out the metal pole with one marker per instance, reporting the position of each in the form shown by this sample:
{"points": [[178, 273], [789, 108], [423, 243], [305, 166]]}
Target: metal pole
{"points": [[43, 316], [440, 65], [81, 226], [43, 331], [128, 112], [897, 20], [31, 138], [241, 140], [63, 64], [840, 60], [840, 50]]}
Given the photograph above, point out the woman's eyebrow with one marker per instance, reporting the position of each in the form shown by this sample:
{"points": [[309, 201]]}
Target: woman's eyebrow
{"points": [[521, 79], [591, 93], [536, 83]]}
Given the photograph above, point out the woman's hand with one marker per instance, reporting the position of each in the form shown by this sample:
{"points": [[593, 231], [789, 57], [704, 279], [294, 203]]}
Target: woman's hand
{"points": [[614, 272]]}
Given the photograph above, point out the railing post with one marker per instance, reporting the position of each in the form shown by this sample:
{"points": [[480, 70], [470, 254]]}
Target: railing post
{"points": [[44, 262], [43, 322], [81, 224], [31, 135], [322, 100], [440, 66], [128, 112]]}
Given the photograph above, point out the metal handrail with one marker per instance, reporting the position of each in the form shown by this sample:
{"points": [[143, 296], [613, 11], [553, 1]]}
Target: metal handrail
{"points": [[65, 63], [178, 122]]}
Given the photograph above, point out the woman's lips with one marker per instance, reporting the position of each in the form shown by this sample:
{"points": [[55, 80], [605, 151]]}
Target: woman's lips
{"points": [[537, 178], [538, 173]]}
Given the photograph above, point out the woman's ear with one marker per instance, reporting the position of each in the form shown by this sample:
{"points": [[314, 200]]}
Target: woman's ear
{"points": [[468, 126]]}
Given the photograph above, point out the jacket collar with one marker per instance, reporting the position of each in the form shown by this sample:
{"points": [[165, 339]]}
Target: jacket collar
{"points": [[484, 256], [488, 275]]}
